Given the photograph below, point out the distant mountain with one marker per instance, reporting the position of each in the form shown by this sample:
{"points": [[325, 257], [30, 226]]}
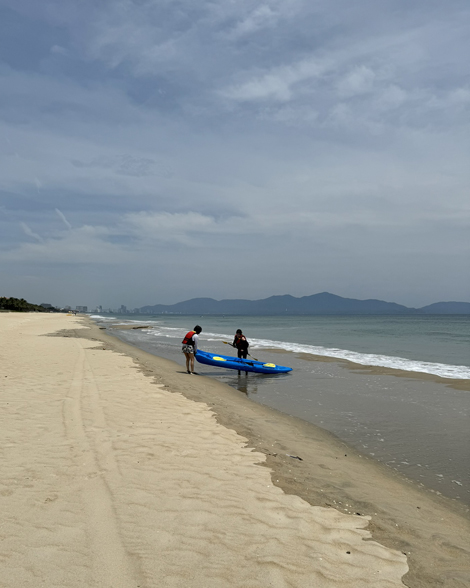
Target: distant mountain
{"points": [[317, 304], [446, 308]]}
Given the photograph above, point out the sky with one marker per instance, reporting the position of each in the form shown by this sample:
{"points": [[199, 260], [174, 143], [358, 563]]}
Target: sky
{"points": [[154, 151]]}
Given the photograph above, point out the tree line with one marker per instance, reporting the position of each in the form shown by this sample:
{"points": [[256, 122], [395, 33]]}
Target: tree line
{"points": [[19, 305]]}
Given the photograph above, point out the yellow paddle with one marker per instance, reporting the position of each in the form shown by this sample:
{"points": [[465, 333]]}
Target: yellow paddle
{"points": [[227, 343]]}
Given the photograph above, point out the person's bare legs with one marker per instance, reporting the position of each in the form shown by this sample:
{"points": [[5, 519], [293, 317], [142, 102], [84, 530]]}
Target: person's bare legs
{"points": [[189, 362]]}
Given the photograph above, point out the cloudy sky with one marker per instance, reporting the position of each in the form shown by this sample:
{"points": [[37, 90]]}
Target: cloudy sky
{"points": [[154, 151]]}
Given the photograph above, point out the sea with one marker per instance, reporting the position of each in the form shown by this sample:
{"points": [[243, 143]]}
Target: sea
{"points": [[415, 419]]}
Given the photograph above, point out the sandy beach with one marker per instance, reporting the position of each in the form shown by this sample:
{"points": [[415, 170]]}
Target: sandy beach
{"points": [[119, 470]]}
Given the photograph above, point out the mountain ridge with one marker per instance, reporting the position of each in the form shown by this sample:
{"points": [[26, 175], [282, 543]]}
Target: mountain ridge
{"points": [[322, 303]]}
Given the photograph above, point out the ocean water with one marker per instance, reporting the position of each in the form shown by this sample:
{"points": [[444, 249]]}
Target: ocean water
{"points": [[415, 425]]}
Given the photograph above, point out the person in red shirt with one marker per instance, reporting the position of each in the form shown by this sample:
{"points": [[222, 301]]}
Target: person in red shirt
{"points": [[241, 344], [190, 348]]}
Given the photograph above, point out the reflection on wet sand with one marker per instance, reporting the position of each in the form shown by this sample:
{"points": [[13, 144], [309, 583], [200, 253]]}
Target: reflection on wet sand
{"points": [[242, 384], [242, 381], [248, 382]]}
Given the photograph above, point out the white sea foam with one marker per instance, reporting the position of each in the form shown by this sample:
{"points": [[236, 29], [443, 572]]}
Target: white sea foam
{"points": [[457, 372], [151, 324], [460, 372], [102, 318]]}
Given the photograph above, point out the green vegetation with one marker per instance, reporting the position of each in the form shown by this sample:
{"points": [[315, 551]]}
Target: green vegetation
{"points": [[19, 305]]}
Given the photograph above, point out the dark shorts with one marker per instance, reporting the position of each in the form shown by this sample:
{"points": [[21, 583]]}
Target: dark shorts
{"points": [[187, 349]]}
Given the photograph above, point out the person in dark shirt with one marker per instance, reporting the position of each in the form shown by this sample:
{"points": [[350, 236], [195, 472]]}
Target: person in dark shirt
{"points": [[241, 344]]}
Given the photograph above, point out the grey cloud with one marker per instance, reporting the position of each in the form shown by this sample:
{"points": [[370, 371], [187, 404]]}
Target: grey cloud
{"points": [[61, 215], [85, 245], [330, 139], [127, 165], [30, 233]]}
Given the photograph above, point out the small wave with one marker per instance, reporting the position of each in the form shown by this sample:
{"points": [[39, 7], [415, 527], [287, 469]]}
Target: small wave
{"points": [[160, 331], [459, 372], [102, 318], [153, 323]]}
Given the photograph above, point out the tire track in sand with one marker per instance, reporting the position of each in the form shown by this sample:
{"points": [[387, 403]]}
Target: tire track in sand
{"points": [[112, 566]]}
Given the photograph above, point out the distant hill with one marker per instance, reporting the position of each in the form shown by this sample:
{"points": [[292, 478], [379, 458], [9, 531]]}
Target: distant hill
{"points": [[317, 304], [446, 308]]}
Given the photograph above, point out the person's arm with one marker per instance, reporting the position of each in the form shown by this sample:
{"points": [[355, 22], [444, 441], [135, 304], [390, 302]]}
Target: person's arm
{"points": [[195, 338]]}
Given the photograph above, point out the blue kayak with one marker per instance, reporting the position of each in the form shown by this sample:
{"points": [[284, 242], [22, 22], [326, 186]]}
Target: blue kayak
{"points": [[246, 365]]}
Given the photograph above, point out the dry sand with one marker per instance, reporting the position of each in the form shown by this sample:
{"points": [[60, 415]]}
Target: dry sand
{"points": [[120, 470]]}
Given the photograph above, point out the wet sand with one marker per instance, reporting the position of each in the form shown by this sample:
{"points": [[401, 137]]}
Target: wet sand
{"points": [[381, 371], [415, 423], [117, 474]]}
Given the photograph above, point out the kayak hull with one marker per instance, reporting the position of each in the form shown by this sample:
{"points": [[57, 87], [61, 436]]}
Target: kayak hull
{"points": [[245, 365]]}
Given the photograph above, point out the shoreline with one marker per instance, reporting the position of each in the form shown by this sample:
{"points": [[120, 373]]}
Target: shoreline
{"points": [[445, 371], [330, 473], [455, 383], [352, 401], [121, 469]]}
